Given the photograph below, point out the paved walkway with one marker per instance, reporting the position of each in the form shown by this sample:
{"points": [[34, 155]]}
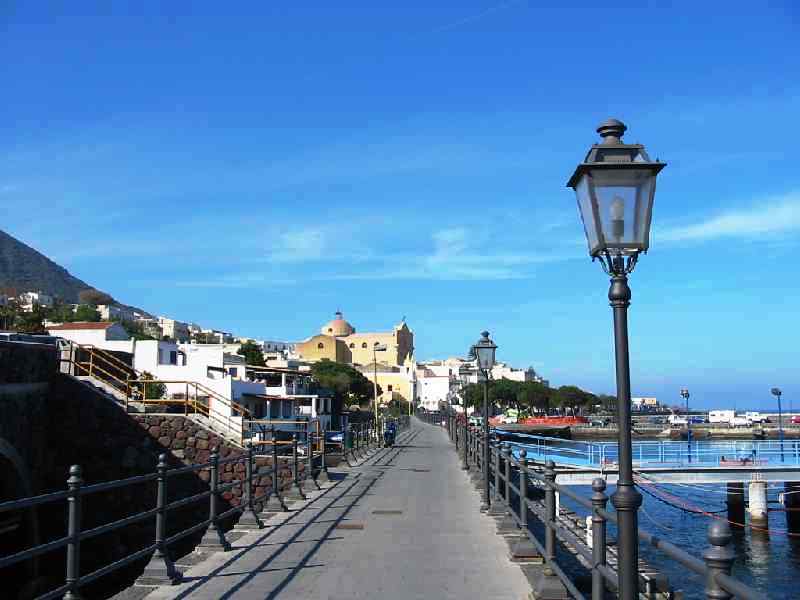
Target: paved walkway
{"points": [[337, 545]]}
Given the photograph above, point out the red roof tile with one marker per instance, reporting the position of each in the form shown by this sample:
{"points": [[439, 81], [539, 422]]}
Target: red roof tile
{"points": [[80, 325]]}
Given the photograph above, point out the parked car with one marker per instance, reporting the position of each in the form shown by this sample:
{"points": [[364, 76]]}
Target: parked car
{"points": [[476, 421], [599, 422], [739, 422], [795, 420]]}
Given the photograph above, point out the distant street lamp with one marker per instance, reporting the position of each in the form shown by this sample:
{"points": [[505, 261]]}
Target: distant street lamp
{"points": [[685, 394], [615, 186], [484, 350], [777, 392]]}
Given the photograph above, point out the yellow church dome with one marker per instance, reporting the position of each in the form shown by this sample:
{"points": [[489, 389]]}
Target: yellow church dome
{"points": [[338, 327]]}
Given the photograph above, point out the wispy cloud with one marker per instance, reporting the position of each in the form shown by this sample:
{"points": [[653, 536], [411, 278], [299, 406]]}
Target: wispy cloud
{"points": [[775, 216]]}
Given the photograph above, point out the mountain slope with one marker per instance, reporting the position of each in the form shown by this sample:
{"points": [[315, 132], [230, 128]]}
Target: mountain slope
{"points": [[25, 269]]}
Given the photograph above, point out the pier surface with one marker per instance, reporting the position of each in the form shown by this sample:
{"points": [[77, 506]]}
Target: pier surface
{"points": [[400, 525]]}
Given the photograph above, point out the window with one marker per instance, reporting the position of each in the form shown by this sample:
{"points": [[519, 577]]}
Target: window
{"points": [[320, 346], [173, 357], [330, 330], [388, 388], [364, 345], [233, 371], [352, 345]]}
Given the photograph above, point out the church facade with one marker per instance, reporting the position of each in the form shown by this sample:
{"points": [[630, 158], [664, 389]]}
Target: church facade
{"points": [[339, 341]]}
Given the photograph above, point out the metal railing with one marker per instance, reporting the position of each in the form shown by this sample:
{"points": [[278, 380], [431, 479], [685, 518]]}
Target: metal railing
{"points": [[132, 387], [700, 453], [306, 471], [512, 480]]}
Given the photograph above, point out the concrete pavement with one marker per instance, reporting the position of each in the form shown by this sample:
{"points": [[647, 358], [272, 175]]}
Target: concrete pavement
{"points": [[403, 525]]}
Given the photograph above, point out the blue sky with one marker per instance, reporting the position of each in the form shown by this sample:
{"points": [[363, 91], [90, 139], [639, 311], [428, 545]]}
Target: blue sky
{"points": [[256, 171]]}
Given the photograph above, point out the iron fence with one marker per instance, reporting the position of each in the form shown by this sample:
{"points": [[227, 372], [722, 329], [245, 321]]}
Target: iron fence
{"points": [[512, 480]]}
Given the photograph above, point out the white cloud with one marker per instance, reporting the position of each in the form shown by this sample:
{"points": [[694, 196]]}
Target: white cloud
{"points": [[300, 245], [771, 217]]}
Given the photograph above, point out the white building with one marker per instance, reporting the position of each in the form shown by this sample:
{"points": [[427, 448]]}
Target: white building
{"points": [[176, 331], [434, 389], [110, 312], [206, 370], [27, 300], [104, 335]]}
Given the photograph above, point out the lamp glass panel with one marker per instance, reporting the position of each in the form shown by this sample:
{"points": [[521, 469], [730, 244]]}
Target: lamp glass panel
{"points": [[485, 356], [584, 197], [624, 204]]}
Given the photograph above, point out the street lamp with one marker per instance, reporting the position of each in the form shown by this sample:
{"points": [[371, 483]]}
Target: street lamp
{"points": [[777, 392], [376, 347], [685, 394], [463, 374], [484, 350], [615, 186]]}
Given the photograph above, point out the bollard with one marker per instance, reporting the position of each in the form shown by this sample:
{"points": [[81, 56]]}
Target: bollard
{"points": [[275, 502], [322, 477], [72, 579], [249, 519], [160, 570], [599, 502], [295, 491], [214, 538], [719, 559]]}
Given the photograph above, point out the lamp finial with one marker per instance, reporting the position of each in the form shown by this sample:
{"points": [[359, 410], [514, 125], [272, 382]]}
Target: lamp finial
{"points": [[611, 131]]}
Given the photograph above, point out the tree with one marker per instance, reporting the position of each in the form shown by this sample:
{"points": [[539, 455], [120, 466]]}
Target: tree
{"points": [[536, 396], [574, 397], [344, 381], [85, 312], [253, 355], [134, 330], [94, 297], [152, 391], [31, 321]]}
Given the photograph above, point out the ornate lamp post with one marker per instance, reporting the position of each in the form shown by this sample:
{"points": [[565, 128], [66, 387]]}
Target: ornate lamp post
{"points": [[484, 350], [777, 393], [463, 374], [615, 186], [685, 396]]}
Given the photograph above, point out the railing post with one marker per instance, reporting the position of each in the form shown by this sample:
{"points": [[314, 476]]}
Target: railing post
{"points": [[295, 491], [275, 502], [160, 570], [599, 502], [214, 538], [309, 475], [550, 510], [549, 585], [323, 467], [719, 559], [73, 575], [524, 550], [465, 447], [249, 519]]}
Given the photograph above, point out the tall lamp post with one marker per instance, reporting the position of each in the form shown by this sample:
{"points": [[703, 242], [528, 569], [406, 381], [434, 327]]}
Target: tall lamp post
{"points": [[777, 393], [615, 186], [685, 395], [376, 347], [463, 375], [484, 350]]}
